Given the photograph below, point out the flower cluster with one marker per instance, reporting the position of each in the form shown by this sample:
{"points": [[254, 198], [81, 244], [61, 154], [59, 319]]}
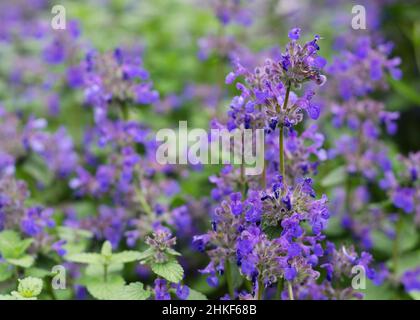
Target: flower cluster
{"points": [[403, 185], [411, 280], [359, 69], [362, 150], [268, 88], [114, 78]]}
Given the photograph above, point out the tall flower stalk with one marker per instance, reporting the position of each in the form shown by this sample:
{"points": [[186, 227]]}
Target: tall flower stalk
{"points": [[242, 220]]}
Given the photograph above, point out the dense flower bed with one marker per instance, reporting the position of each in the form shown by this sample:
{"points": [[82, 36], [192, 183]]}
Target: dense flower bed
{"points": [[87, 211]]}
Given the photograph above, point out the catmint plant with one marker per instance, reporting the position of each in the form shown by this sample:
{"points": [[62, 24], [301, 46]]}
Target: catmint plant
{"points": [[262, 231], [88, 212]]}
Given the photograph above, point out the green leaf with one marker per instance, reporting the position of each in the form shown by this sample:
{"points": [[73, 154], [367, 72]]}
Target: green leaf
{"points": [[37, 272], [272, 231], [5, 272], [22, 246], [407, 239], [115, 289], [195, 295], [172, 252], [334, 228], [36, 167], [77, 240], [106, 256], [405, 90], [406, 262], [24, 262], [335, 177], [170, 270], [146, 254], [96, 270], [89, 258], [71, 234], [374, 292], [133, 291], [30, 287], [415, 294], [106, 250], [125, 257], [105, 290], [11, 246]]}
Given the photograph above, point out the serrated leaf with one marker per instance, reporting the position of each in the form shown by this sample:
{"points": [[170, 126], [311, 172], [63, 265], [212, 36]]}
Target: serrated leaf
{"points": [[88, 258], [125, 257], [335, 177], [105, 290], [5, 272], [170, 270], [195, 295], [133, 291], [24, 262]]}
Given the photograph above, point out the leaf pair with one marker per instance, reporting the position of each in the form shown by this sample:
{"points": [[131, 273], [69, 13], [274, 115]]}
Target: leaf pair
{"points": [[104, 287], [106, 257]]}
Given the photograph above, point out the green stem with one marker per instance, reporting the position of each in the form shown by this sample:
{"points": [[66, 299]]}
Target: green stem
{"points": [[396, 246], [281, 134], [105, 272], [264, 176], [144, 203], [124, 111], [347, 201], [243, 178], [229, 279], [286, 98], [260, 289], [243, 181], [17, 273], [220, 75], [290, 290], [280, 284], [281, 151], [51, 289]]}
